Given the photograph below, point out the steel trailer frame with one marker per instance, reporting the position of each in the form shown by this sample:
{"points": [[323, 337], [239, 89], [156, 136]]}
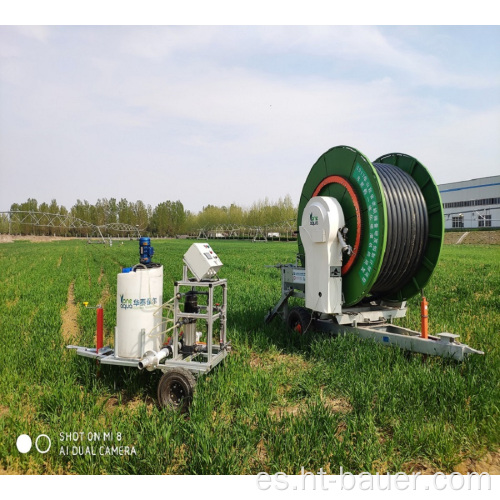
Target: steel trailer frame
{"points": [[372, 321]]}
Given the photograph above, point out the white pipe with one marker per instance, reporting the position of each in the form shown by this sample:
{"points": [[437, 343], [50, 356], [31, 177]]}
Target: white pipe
{"points": [[151, 360]]}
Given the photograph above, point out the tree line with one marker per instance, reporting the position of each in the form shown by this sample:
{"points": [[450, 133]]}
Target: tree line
{"points": [[167, 219]]}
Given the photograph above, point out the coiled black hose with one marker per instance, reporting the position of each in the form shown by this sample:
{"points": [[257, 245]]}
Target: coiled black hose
{"points": [[407, 229]]}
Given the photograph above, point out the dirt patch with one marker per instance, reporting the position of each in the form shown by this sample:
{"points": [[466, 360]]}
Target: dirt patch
{"points": [[8, 238], [472, 238], [482, 238], [106, 295], [268, 361], [452, 238], [261, 451], [259, 460], [11, 303], [340, 431], [112, 403], [14, 468], [337, 405], [69, 316], [105, 299], [179, 461], [280, 412], [490, 463], [421, 467]]}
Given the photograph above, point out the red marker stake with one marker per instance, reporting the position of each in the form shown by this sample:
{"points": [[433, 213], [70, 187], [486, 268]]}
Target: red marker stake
{"points": [[425, 318], [100, 328], [99, 335]]}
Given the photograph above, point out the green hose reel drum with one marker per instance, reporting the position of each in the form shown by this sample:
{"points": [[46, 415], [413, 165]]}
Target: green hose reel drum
{"points": [[395, 222]]}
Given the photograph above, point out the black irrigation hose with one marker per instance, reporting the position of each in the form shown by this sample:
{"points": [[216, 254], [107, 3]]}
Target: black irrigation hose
{"points": [[407, 229]]}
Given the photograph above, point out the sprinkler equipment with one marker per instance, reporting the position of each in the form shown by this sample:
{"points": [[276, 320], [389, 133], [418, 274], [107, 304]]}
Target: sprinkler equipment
{"points": [[370, 236], [155, 335]]}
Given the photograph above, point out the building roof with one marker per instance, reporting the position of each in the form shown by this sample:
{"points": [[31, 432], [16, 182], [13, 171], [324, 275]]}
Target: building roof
{"points": [[493, 180]]}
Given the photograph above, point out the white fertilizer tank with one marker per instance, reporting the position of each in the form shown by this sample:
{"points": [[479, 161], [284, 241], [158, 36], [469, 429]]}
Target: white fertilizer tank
{"points": [[139, 296]]}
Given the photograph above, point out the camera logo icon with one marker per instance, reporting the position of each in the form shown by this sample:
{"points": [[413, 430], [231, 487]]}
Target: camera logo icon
{"points": [[42, 443]]}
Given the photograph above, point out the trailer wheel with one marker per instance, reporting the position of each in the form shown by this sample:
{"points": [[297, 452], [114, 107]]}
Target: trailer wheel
{"points": [[299, 319], [175, 389]]}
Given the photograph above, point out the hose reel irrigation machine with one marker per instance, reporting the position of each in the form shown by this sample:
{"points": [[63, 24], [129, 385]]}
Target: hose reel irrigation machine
{"points": [[370, 235], [153, 335]]}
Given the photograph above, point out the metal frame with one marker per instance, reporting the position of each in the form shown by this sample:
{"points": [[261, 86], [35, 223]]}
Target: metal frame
{"points": [[372, 321], [215, 353], [442, 344]]}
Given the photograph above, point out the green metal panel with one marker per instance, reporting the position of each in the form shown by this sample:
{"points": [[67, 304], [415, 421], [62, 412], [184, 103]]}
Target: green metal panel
{"points": [[356, 169], [434, 205]]}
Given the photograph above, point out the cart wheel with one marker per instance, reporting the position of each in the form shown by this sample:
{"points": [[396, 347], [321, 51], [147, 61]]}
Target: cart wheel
{"points": [[299, 319], [175, 389]]}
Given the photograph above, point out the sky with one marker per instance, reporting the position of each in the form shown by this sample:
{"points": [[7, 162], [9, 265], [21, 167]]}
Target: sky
{"points": [[221, 114]]}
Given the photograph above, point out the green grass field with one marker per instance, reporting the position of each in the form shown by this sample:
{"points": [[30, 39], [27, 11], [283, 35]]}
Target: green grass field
{"points": [[279, 402]]}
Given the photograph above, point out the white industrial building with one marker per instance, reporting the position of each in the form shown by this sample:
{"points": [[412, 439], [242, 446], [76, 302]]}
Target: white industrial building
{"points": [[471, 204]]}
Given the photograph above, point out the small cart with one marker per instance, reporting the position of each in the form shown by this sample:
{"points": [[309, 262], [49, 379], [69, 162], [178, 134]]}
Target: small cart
{"points": [[188, 337]]}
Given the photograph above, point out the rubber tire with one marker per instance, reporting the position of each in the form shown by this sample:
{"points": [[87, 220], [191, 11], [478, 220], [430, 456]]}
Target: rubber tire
{"points": [[175, 389], [299, 319]]}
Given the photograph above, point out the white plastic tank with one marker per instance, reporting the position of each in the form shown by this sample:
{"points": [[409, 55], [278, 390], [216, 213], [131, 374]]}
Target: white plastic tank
{"points": [[139, 296]]}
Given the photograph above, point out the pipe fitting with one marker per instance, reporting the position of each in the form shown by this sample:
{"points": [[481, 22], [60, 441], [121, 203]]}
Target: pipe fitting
{"points": [[151, 359]]}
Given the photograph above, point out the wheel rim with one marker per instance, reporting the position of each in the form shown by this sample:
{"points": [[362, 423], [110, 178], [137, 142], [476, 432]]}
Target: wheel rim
{"points": [[176, 393]]}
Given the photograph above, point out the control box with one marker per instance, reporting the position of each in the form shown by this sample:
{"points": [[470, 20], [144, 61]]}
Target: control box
{"points": [[202, 261]]}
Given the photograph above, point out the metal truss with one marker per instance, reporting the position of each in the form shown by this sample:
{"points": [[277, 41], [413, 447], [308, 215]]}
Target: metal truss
{"points": [[284, 229], [65, 221], [122, 228]]}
